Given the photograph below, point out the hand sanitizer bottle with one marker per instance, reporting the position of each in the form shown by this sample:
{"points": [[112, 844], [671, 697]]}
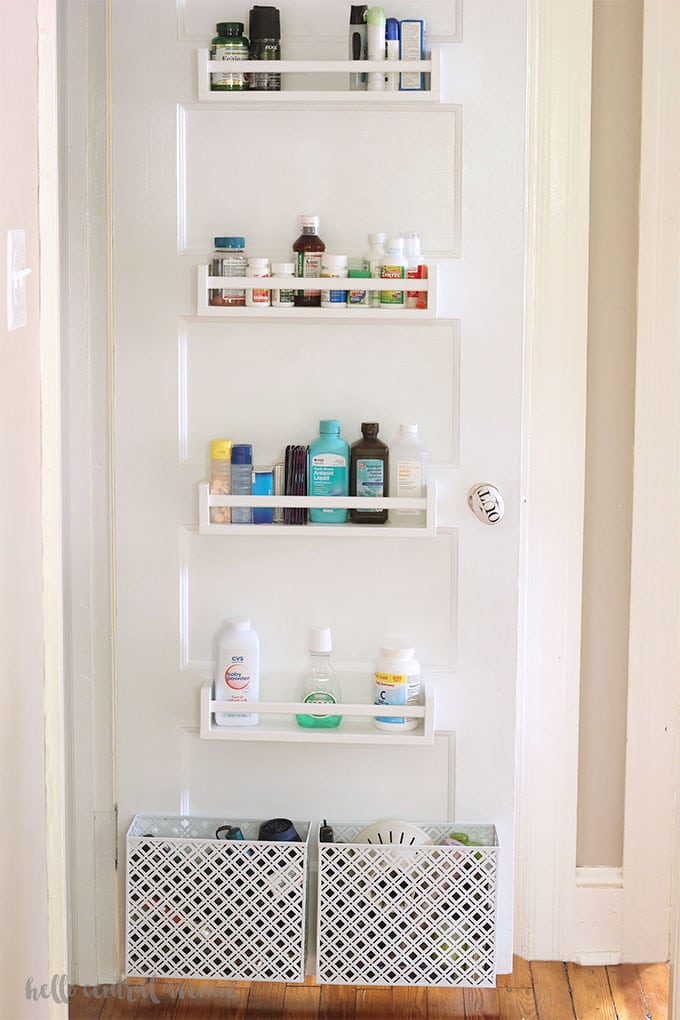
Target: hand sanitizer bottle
{"points": [[319, 684]]}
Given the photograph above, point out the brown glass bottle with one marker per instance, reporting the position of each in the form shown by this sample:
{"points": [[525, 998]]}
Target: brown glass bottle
{"points": [[308, 250], [369, 473]]}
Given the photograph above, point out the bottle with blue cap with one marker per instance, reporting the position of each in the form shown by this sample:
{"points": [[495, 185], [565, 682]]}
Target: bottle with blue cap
{"points": [[392, 52], [229, 259], [328, 471]]}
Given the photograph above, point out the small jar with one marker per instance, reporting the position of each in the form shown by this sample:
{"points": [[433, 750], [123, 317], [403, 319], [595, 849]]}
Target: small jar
{"points": [[220, 479], [335, 267], [285, 297], [397, 682], [230, 46], [258, 298], [356, 297], [229, 259]]}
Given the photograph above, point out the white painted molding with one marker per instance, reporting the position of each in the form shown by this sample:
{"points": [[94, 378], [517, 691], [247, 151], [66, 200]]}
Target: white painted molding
{"points": [[560, 46], [650, 859], [598, 930]]}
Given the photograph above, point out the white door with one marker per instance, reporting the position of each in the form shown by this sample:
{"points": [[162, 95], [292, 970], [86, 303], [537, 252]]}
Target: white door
{"points": [[185, 171]]}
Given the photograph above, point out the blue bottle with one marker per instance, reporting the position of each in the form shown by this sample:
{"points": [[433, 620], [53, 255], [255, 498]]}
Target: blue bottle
{"points": [[241, 481], [328, 471]]}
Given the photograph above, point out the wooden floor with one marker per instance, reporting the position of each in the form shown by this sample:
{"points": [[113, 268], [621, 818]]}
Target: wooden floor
{"points": [[534, 991]]}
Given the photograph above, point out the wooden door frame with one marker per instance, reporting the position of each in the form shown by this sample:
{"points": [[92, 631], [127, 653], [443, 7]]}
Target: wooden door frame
{"points": [[559, 914]]}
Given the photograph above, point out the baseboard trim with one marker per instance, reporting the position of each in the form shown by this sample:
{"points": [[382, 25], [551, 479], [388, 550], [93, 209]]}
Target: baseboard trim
{"points": [[598, 916]]}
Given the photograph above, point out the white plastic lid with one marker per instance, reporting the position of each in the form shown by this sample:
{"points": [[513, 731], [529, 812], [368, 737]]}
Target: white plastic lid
{"points": [[395, 648], [395, 244], [411, 430], [377, 238], [320, 640], [258, 262], [309, 220], [283, 267], [238, 624], [334, 260]]}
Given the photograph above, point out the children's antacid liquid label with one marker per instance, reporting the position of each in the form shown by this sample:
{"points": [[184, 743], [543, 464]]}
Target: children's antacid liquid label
{"points": [[370, 477]]}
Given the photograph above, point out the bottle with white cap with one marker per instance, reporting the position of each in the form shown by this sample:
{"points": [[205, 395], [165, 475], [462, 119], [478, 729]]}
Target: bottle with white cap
{"points": [[397, 682], [237, 671], [319, 683], [408, 476]]}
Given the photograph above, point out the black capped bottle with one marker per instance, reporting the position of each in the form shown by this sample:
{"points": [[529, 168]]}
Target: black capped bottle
{"points": [[265, 44], [308, 250], [369, 473]]}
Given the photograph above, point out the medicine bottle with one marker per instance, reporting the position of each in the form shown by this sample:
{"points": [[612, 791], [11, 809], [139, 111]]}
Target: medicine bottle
{"points": [[265, 44], [371, 261], [357, 297], [241, 481], [229, 259], [397, 682], [220, 479], [229, 45], [417, 270], [334, 266], [393, 266], [369, 473], [257, 297], [285, 297], [237, 671], [408, 476], [308, 250], [328, 471]]}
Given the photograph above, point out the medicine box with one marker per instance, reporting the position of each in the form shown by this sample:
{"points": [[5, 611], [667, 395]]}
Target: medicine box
{"points": [[411, 47]]}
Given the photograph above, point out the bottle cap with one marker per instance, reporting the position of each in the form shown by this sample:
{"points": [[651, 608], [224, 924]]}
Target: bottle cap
{"points": [[230, 28], [356, 14], [329, 427], [370, 429], [334, 260], [359, 274], [395, 244], [258, 261], [396, 648], [310, 220], [283, 268], [230, 242], [377, 238], [265, 23], [220, 449], [237, 624], [375, 16], [410, 429], [320, 640], [391, 29], [241, 453]]}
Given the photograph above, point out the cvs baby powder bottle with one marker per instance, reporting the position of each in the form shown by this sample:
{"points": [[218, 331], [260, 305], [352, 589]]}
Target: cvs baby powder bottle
{"points": [[237, 672]]}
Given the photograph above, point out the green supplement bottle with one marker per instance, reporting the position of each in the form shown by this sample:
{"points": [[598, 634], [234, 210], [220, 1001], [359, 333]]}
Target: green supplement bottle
{"points": [[229, 46], [319, 684]]}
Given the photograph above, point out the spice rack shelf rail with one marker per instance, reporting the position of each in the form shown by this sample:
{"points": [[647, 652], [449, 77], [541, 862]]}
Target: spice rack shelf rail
{"points": [[206, 283], [350, 530], [432, 66], [356, 726]]}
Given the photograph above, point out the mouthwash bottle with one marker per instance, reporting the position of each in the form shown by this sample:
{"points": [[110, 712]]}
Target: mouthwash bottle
{"points": [[319, 684], [369, 473], [328, 471]]}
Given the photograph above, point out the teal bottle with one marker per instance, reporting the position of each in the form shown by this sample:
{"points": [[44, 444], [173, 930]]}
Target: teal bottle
{"points": [[328, 471], [320, 687]]}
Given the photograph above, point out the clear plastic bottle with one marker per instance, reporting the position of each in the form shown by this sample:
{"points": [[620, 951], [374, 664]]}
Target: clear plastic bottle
{"points": [[393, 266], [397, 682], [319, 683], [417, 270], [308, 250], [265, 44], [220, 478], [231, 46], [237, 671], [328, 471], [229, 259], [241, 481], [408, 475], [371, 262], [369, 473]]}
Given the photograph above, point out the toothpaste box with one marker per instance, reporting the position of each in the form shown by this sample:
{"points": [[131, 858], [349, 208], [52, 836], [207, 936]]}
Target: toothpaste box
{"points": [[411, 47]]}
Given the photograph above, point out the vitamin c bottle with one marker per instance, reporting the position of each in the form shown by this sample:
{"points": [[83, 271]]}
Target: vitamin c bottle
{"points": [[397, 682], [230, 46], [308, 250]]}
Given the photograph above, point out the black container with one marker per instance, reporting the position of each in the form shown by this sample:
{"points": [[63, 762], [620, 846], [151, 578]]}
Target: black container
{"points": [[265, 44], [369, 473]]}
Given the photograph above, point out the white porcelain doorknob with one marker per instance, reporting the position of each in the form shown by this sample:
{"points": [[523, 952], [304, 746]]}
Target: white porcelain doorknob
{"points": [[486, 503]]}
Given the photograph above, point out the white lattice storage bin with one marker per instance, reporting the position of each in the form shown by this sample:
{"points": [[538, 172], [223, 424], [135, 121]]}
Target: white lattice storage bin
{"points": [[408, 915], [201, 907]]}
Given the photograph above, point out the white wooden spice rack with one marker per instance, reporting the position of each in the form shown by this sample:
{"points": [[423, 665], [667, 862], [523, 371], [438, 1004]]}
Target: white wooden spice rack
{"points": [[348, 530], [277, 721], [206, 283], [432, 66]]}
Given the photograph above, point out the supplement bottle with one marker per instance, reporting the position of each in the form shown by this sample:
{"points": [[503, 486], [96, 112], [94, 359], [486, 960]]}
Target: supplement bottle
{"points": [[372, 260], [255, 297], [393, 266], [328, 471], [308, 250], [230, 46], [417, 270], [397, 682], [334, 266], [369, 473], [285, 297], [241, 481], [408, 476], [265, 44], [237, 672], [319, 683], [220, 479], [229, 259]]}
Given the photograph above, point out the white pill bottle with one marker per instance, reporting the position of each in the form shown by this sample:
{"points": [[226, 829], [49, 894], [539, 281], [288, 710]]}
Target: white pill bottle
{"points": [[237, 671], [397, 682]]}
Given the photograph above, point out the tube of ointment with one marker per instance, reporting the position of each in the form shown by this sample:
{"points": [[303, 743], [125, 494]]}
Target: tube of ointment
{"points": [[375, 39], [392, 52]]}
